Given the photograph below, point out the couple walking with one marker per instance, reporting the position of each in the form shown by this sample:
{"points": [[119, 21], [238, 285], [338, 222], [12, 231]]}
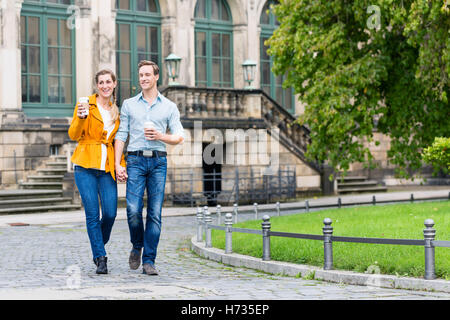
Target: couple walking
{"points": [[100, 163]]}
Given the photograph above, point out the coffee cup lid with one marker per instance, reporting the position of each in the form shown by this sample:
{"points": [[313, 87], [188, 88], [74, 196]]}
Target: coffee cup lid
{"points": [[84, 99]]}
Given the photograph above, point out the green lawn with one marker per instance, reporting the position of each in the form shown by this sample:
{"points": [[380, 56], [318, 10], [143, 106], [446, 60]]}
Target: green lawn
{"points": [[402, 221]]}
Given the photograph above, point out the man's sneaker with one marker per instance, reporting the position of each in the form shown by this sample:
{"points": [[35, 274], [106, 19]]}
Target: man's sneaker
{"points": [[149, 269], [135, 258]]}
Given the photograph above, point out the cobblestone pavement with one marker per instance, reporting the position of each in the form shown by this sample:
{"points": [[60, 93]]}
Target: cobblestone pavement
{"points": [[54, 262]]}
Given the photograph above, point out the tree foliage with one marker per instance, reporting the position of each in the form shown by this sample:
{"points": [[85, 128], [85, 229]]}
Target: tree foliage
{"points": [[363, 66], [438, 155]]}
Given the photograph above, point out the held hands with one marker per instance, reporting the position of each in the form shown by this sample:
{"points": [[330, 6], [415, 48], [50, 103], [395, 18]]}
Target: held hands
{"points": [[121, 173]]}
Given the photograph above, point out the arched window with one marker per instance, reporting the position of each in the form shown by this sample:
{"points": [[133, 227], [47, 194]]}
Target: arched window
{"points": [[47, 58], [213, 44], [270, 83], [138, 37]]}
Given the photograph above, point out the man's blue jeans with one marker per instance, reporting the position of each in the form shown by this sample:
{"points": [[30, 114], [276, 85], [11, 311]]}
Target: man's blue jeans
{"points": [[91, 184], [145, 173]]}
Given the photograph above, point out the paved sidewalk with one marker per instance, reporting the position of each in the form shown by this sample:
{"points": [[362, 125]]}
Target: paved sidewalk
{"points": [[51, 259], [78, 215]]}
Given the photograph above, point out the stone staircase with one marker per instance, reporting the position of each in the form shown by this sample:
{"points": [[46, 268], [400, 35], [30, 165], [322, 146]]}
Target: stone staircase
{"points": [[42, 191], [49, 177], [358, 184]]}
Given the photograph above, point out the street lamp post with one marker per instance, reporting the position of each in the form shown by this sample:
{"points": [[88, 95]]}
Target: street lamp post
{"points": [[249, 73], [173, 68]]}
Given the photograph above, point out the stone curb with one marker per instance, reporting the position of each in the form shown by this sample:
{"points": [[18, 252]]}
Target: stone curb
{"points": [[316, 273]]}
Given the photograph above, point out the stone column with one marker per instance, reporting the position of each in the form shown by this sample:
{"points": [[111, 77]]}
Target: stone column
{"points": [[11, 114], [85, 42], [106, 39], [184, 45], [168, 44], [253, 38], [10, 62], [240, 54]]}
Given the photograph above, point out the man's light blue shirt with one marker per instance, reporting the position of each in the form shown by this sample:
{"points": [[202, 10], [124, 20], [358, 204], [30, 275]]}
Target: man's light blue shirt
{"points": [[136, 111]]}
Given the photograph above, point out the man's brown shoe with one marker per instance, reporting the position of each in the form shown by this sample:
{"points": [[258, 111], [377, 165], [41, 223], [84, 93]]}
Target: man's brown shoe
{"points": [[149, 269], [135, 258]]}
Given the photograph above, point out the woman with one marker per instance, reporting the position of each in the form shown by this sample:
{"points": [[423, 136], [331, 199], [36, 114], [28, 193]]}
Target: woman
{"points": [[94, 162]]}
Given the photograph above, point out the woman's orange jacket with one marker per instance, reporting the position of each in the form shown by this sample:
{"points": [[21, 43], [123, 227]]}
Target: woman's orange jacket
{"points": [[90, 136]]}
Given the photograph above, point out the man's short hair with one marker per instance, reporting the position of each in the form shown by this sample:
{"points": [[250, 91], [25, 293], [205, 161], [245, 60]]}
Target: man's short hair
{"points": [[149, 63]]}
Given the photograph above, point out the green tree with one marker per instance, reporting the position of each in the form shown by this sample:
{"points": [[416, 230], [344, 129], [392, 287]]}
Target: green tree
{"points": [[367, 65], [438, 155]]}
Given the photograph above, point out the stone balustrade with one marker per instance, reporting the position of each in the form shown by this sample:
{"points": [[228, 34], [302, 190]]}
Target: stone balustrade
{"points": [[278, 117], [207, 102]]}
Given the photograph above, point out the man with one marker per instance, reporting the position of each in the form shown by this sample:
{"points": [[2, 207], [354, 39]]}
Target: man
{"points": [[146, 162]]}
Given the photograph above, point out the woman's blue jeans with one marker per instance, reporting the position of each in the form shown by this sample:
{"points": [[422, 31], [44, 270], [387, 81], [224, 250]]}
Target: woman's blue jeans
{"points": [[145, 173], [92, 184]]}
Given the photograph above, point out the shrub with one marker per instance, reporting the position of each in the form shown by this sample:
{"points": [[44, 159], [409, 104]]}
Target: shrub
{"points": [[438, 155]]}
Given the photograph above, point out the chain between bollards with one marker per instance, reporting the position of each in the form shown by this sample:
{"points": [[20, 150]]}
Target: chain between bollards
{"points": [[204, 221]]}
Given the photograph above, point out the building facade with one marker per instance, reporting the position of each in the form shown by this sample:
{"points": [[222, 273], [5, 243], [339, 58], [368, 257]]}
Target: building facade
{"points": [[50, 51], [52, 48]]}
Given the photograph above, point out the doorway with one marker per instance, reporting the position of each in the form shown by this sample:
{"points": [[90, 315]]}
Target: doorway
{"points": [[212, 161]]}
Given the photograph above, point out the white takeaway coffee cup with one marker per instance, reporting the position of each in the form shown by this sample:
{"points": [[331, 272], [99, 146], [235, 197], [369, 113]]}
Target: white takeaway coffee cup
{"points": [[84, 101], [149, 125]]}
